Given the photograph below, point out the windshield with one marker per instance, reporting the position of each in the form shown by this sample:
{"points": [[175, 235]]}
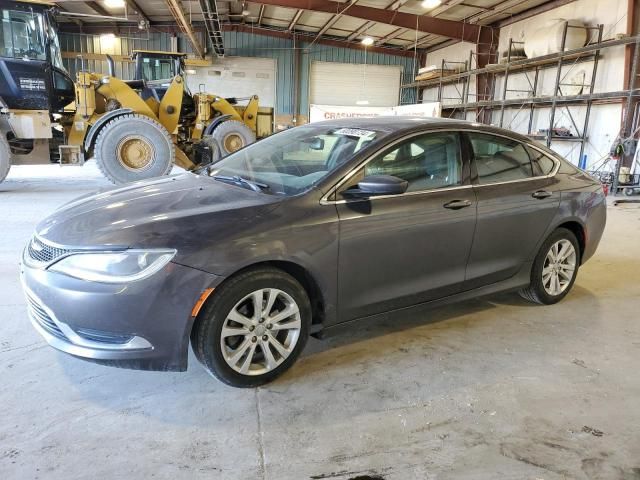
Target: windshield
{"points": [[157, 68], [293, 161], [22, 35], [54, 46]]}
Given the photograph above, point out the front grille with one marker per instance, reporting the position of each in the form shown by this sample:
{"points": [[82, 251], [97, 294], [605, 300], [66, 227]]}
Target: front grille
{"points": [[40, 315], [42, 253], [103, 337]]}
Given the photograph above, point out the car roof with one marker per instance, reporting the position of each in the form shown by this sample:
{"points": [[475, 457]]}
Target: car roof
{"points": [[400, 124]]}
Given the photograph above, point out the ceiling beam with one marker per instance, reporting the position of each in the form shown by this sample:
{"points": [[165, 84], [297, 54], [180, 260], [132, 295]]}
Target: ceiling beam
{"points": [[136, 9], [77, 21], [99, 9], [434, 13], [545, 7], [282, 33], [363, 28], [443, 8], [296, 17], [261, 14], [185, 26], [396, 33], [501, 7], [333, 21], [422, 23]]}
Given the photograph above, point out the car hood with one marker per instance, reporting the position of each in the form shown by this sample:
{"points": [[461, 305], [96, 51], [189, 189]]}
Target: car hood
{"points": [[158, 212]]}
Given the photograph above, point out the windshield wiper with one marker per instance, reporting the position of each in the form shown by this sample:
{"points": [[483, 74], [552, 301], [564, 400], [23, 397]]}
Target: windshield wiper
{"points": [[238, 180]]}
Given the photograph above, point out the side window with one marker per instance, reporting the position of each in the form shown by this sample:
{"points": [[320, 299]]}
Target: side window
{"points": [[499, 159], [542, 164], [427, 161]]}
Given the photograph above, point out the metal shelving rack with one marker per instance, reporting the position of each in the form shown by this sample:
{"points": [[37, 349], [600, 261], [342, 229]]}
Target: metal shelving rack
{"points": [[531, 68]]}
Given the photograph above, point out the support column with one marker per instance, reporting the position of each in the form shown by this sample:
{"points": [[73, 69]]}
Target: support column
{"points": [[486, 53]]}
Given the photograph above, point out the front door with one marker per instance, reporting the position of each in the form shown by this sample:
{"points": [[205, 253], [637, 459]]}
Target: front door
{"points": [[517, 201], [401, 250]]}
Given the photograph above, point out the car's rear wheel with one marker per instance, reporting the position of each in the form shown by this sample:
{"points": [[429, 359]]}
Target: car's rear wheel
{"points": [[253, 328], [554, 269]]}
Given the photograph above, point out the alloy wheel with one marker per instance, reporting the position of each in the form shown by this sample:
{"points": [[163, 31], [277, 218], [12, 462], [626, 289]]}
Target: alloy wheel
{"points": [[260, 331], [559, 267]]}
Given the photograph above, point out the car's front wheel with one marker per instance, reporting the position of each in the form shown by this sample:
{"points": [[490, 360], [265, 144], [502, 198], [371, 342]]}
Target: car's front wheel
{"points": [[253, 328], [554, 269]]}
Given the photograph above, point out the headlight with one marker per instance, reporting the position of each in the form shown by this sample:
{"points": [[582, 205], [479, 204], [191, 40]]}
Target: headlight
{"points": [[114, 267]]}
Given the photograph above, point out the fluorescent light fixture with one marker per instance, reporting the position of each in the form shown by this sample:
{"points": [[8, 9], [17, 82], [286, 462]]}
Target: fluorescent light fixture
{"points": [[114, 3], [431, 3], [366, 41], [362, 102]]}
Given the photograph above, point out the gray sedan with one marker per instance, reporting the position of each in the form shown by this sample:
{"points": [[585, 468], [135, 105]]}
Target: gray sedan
{"points": [[315, 226]]}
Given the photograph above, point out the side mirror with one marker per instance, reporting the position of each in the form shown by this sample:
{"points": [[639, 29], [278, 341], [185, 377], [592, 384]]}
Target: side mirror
{"points": [[376, 185]]}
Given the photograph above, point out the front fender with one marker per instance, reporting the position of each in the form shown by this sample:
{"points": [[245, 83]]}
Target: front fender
{"points": [[92, 134]]}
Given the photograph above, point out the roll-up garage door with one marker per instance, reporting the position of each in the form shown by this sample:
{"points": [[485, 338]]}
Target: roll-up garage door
{"points": [[346, 84], [237, 77]]}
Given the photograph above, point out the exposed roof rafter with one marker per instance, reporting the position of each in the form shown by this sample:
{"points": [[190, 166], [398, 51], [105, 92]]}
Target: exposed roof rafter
{"points": [[296, 17], [422, 23]]}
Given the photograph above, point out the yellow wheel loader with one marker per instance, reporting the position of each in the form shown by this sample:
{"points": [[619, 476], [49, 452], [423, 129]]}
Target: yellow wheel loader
{"points": [[138, 129], [134, 129]]}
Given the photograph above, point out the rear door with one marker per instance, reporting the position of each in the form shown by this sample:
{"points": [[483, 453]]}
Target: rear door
{"points": [[400, 250], [517, 200]]}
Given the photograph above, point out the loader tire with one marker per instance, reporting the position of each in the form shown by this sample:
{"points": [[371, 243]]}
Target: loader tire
{"points": [[232, 135], [211, 142], [5, 157], [134, 147]]}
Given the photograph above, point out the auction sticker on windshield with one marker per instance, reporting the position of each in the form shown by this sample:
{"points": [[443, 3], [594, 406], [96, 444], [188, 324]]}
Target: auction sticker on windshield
{"points": [[355, 132]]}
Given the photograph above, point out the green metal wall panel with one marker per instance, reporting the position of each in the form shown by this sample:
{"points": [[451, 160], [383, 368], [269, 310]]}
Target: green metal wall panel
{"points": [[241, 44]]}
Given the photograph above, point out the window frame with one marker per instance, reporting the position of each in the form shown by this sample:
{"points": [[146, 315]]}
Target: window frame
{"points": [[474, 170], [330, 198]]}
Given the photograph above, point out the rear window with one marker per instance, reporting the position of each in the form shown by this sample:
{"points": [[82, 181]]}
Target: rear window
{"points": [[541, 163], [499, 159]]}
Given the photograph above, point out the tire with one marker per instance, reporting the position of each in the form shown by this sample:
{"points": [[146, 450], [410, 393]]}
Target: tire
{"points": [[541, 290], [5, 157], [232, 135], [133, 147], [628, 192], [212, 143], [236, 295]]}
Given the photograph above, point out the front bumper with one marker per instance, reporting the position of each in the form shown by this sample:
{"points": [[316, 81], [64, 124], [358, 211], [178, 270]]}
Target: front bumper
{"points": [[143, 325]]}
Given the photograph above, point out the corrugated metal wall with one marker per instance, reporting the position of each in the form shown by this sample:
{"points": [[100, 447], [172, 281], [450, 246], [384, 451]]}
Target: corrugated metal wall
{"points": [[124, 45], [243, 45]]}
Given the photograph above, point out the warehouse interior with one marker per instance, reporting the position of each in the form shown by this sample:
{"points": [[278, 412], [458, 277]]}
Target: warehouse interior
{"points": [[487, 388]]}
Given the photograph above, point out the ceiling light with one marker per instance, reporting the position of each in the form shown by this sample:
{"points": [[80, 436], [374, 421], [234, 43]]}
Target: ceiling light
{"points": [[366, 41], [362, 102], [431, 3], [114, 3], [246, 13]]}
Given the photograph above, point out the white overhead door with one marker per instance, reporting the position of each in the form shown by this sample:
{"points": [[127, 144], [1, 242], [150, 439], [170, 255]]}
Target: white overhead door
{"points": [[348, 84], [237, 77]]}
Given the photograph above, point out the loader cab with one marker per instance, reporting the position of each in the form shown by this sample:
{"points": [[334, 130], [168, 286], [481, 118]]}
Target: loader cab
{"points": [[155, 66], [157, 69], [34, 77]]}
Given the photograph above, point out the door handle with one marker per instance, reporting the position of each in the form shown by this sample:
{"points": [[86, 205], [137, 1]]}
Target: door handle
{"points": [[457, 204], [540, 194]]}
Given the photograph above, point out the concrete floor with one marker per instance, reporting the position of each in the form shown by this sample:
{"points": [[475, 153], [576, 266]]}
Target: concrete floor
{"points": [[485, 389]]}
